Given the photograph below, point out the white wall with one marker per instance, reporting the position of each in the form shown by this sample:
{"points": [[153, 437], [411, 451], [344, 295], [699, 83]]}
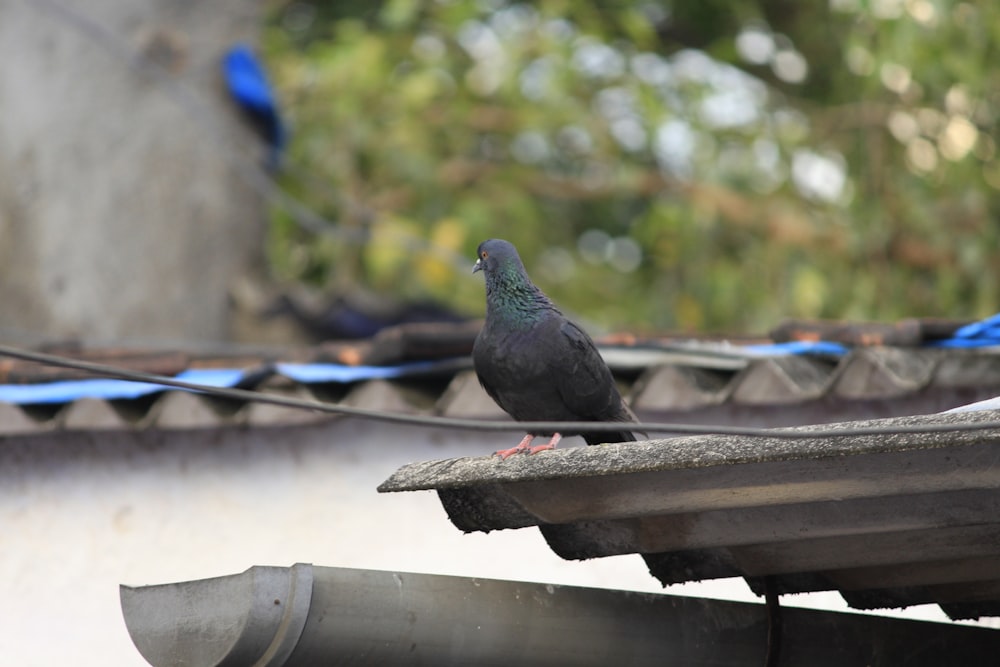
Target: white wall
{"points": [[80, 514]]}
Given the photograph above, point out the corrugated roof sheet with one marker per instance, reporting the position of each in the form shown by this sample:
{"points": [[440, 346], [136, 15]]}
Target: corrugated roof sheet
{"points": [[887, 520], [425, 369], [413, 369]]}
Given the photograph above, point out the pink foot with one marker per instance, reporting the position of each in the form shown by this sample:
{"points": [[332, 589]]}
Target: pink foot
{"points": [[525, 447], [551, 444]]}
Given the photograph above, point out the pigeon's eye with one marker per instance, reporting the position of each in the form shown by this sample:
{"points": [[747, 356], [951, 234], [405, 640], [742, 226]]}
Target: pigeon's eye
{"points": [[484, 254]]}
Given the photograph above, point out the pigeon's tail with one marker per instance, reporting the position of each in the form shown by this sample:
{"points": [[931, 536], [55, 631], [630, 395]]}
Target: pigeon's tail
{"points": [[624, 415], [600, 438]]}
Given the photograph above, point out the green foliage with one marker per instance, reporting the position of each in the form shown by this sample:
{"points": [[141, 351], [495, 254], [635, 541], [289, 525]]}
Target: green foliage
{"points": [[692, 166]]}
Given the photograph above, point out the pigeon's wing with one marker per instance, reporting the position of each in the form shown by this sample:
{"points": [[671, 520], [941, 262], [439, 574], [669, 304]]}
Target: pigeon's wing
{"points": [[587, 387], [583, 379]]}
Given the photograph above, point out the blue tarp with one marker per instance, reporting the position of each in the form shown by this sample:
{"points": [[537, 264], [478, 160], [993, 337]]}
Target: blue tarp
{"points": [[69, 390], [318, 373], [66, 391], [798, 347], [978, 334]]}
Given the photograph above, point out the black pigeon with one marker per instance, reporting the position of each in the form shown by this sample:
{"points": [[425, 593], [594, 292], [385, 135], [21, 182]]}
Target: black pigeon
{"points": [[536, 364]]}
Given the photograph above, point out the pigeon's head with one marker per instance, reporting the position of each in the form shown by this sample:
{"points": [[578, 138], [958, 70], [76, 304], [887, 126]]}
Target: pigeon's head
{"points": [[494, 254]]}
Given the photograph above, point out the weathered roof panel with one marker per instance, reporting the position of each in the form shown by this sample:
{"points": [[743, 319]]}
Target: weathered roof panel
{"points": [[888, 518]]}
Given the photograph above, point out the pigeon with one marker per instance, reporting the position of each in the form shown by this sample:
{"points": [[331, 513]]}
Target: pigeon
{"points": [[537, 364]]}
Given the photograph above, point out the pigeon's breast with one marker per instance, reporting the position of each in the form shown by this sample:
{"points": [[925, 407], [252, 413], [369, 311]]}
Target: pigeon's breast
{"points": [[514, 367], [509, 358]]}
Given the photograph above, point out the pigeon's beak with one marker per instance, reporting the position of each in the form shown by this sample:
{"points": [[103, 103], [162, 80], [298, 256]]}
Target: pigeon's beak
{"points": [[478, 266]]}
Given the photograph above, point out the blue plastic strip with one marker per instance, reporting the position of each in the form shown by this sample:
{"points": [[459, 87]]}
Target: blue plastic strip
{"points": [[66, 391], [988, 328], [212, 377], [798, 347], [983, 333], [316, 373], [70, 390]]}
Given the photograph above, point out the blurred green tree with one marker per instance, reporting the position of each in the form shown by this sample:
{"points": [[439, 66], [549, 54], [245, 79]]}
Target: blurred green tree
{"points": [[660, 165]]}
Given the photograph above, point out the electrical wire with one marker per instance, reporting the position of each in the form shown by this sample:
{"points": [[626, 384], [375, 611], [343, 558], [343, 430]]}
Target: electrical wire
{"points": [[234, 394]]}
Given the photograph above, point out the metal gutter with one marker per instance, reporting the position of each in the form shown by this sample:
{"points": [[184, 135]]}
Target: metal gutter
{"points": [[253, 618], [307, 615]]}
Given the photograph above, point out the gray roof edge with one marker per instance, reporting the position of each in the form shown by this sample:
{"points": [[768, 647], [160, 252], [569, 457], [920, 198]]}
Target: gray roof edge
{"points": [[687, 452], [252, 618], [386, 617]]}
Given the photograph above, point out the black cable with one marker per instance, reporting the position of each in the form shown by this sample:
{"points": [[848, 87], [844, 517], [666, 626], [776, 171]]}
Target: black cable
{"points": [[106, 371]]}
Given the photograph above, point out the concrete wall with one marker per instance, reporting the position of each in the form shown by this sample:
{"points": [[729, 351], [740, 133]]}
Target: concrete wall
{"points": [[80, 514], [120, 216]]}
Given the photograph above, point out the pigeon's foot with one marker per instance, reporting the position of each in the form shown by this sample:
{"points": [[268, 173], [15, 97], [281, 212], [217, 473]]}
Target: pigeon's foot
{"points": [[551, 444], [524, 447]]}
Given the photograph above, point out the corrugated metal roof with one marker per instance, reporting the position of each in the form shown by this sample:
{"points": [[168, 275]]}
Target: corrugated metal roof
{"points": [[425, 369], [887, 520]]}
